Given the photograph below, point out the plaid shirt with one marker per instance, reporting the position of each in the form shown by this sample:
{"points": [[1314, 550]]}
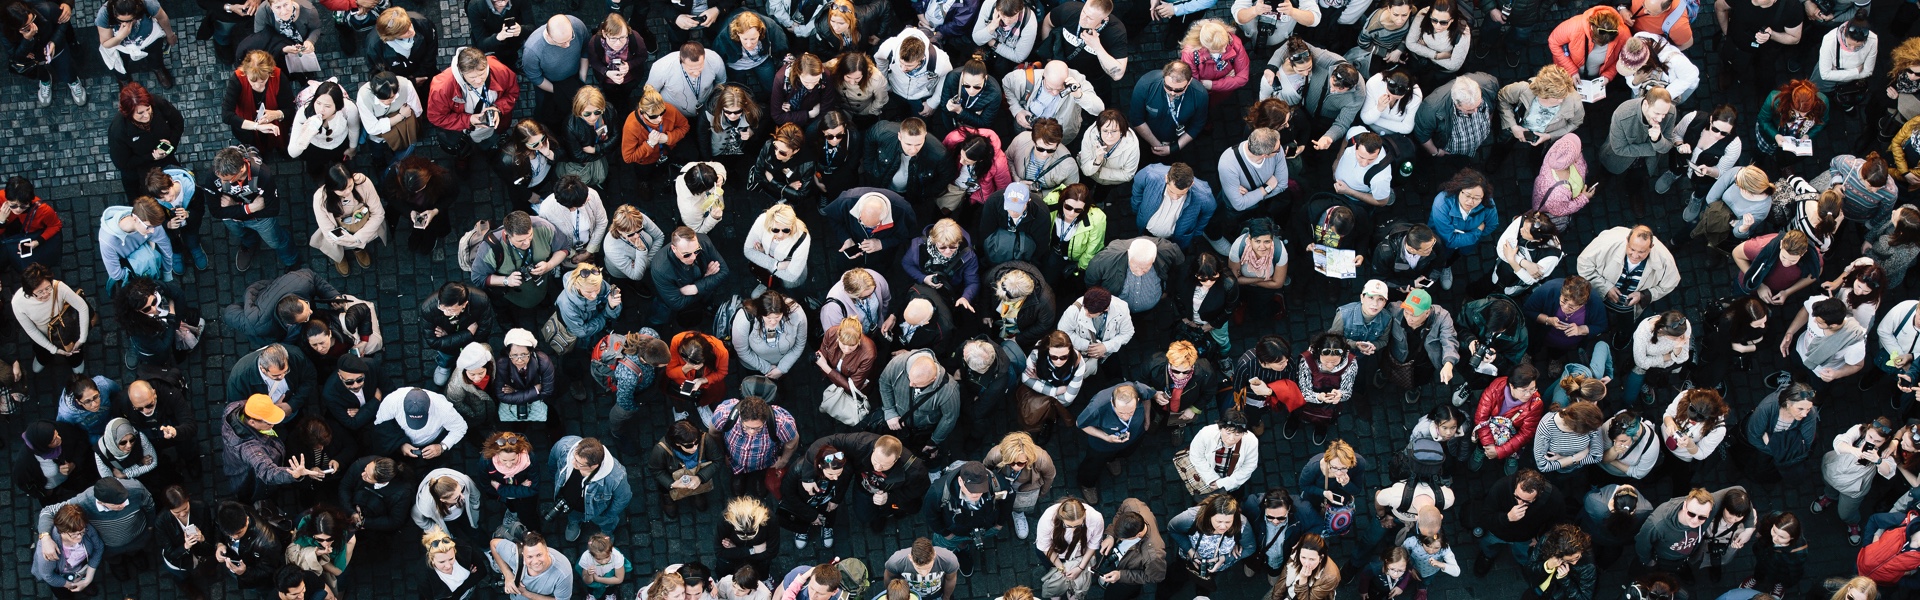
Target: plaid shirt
{"points": [[754, 451]]}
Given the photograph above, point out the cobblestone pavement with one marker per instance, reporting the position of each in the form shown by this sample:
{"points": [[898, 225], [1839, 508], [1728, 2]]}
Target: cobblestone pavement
{"points": [[62, 148]]}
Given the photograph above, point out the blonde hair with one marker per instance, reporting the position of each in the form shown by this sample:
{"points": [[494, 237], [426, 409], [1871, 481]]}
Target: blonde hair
{"points": [[1863, 584], [747, 514], [1016, 284], [258, 64], [628, 218], [1753, 179], [1018, 593], [1016, 447], [588, 97], [391, 23], [856, 280], [945, 232], [849, 333], [437, 541], [650, 101], [1211, 34], [782, 214], [664, 584], [1181, 354], [1551, 82], [744, 22], [586, 276]]}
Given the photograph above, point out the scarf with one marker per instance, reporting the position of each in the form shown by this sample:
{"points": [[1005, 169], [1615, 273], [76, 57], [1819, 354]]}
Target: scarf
{"points": [[1057, 375], [511, 469], [1256, 263], [1824, 349], [109, 443]]}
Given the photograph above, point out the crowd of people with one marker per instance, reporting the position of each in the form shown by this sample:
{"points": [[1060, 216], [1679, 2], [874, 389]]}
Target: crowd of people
{"points": [[999, 241]]}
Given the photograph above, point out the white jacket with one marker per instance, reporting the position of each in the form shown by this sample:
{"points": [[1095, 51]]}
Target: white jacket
{"points": [[374, 115], [585, 226], [918, 86], [1116, 168], [693, 210], [1200, 455], [1079, 327], [440, 417], [1682, 77], [426, 509], [764, 252], [1391, 119], [1016, 49]]}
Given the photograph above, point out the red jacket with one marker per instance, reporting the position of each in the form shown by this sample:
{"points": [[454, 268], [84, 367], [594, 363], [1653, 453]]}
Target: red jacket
{"points": [[41, 221], [1226, 80], [1885, 561], [447, 111], [1525, 418], [1573, 39]]}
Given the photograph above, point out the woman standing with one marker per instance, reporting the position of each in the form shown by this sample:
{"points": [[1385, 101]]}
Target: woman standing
{"points": [[747, 536], [1052, 380], [1715, 146], [632, 240], [732, 128], [1310, 574], [510, 477], [837, 155], [590, 137], [124, 452], [144, 137], [1895, 243], [1633, 448], [75, 562], [1789, 118], [1560, 564], [1326, 377], [1529, 250], [862, 87], [1779, 555], [846, 357], [323, 544], [769, 333], [783, 171], [811, 494], [523, 380], [1732, 338], [1210, 538], [586, 306], [1068, 531], [1219, 61], [1662, 345], [256, 102], [41, 41], [1109, 154], [1567, 440], [38, 304], [701, 195], [1026, 471], [1257, 262], [455, 567], [980, 168], [612, 53], [186, 553], [1440, 41], [1692, 427], [778, 246], [1383, 38], [1744, 199], [1463, 215], [349, 217], [1649, 61], [1860, 454], [326, 128], [528, 163], [1204, 303], [1562, 188], [801, 92], [447, 501], [426, 191]]}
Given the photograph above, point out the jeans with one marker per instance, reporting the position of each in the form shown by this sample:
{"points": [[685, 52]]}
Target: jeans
{"points": [[1599, 366], [58, 70], [265, 231]]}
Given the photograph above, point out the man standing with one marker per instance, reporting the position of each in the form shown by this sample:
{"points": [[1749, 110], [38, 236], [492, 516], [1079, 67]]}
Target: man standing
{"points": [[1168, 111], [1631, 269], [277, 372], [687, 276], [759, 436], [967, 506], [919, 401], [1170, 203], [129, 31], [901, 161], [1516, 510], [533, 570], [687, 78], [121, 510], [470, 102], [553, 60], [275, 310], [1671, 536], [1085, 36], [165, 421], [517, 262], [590, 483], [1251, 172], [418, 426], [252, 454], [247, 201]]}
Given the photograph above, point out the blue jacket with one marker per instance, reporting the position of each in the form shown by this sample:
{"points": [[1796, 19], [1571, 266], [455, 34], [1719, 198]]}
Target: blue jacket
{"points": [[54, 572], [1459, 232], [117, 247], [586, 318], [1150, 188], [607, 492], [1149, 107], [95, 423], [1545, 300]]}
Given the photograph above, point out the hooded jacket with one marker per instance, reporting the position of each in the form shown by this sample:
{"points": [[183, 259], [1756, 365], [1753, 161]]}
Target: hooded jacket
{"points": [[995, 229], [606, 493], [1664, 538], [257, 314], [251, 460], [949, 515], [426, 508], [995, 178], [1554, 196], [446, 109], [117, 246], [939, 408]]}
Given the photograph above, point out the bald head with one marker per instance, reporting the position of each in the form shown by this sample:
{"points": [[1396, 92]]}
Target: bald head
{"points": [[922, 371], [918, 312], [1054, 75], [872, 210], [560, 31], [1140, 255], [140, 395]]}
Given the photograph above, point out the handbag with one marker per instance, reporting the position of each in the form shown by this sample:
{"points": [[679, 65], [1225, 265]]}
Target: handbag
{"points": [[1037, 411], [677, 494], [558, 339], [531, 412], [1055, 583], [1189, 475], [63, 329], [1397, 374], [846, 406], [305, 62]]}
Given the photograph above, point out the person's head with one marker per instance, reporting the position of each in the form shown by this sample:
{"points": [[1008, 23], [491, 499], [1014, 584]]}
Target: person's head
{"points": [[1112, 126], [887, 451], [533, 553], [1219, 515], [1583, 388], [1176, 77], [1829, 314], [393, 24], [1309, 553], [651, 107], [1212, 36], [127, 11], [746, 514], [380, 471], [1394, 14], [1420, 241], [1639, 244], [854, 69], [1327, 351], [1094, 14], [1858, 588], [841, 19], [1524, 382], [71, 523], [1799, 98], [1340, 458], [1468, 187], [1656, 104], [1208, 268], [746, 580], [1580, 418], [1400, 88], [1551, 85], [1566, 542], [442, 552], [824, 581], [1798, 400], [1603, 27], [1181, 356], [1696, 510], [1701, 407], [693, 58], [667, 586], [473, 66], [291, 582]]}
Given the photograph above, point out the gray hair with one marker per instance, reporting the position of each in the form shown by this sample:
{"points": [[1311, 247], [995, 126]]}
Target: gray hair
{"points": [[1466, 92], [1263, 141], [979, 355]]}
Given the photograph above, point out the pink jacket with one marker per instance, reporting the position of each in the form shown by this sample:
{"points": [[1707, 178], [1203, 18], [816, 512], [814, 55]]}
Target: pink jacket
{"points": [[1552, 195], [1225, 81], [998, 177]]}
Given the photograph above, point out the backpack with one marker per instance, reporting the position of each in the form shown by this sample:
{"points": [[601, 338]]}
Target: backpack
{"points": [[1688, 10], [609, 354], [723, 318]]}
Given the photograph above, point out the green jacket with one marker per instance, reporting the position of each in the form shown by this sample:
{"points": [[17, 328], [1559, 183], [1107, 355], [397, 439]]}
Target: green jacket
{"points": [[1088, 240]]}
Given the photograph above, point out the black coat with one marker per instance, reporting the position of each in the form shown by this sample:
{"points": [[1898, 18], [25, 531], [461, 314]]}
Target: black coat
{"points": [[338, 399], [421, 62], [906, 483], [484, 24], [173, 537], [1036, 317], [928, 173], [581, 135], [74, 449], [132, 146], [384, 509], [245, 380], [479, 312], [844, 225], [773, 177], [169, 410], [843, 170], [464, 557]]}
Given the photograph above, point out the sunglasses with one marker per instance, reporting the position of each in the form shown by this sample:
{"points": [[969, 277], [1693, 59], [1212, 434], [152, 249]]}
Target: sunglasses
{"points": [[1072, 209], [1045, 149], [690, 253], [835, 136], [1178, 90], [592, 113], [780, 230], [1695, 515], [974, 87], [1057, 358], [355, 381], [733, 113]]}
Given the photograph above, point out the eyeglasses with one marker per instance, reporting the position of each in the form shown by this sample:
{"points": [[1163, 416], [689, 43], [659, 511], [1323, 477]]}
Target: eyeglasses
{"points": [[631, 234], [1695, 515], [520, 355], [946, 248], [1442, 23]]}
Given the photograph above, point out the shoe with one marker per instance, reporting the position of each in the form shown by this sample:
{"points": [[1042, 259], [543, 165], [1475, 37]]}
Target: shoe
{"points": [[1853, 535], [441, 375], [79, 93], [79, 367], [1289, 428], [36, 365], [341, 266], [1461, 395], [800, 541], [243, 259], [1819, 504], [439, 250], [363, 257], [1482, 565], [578, 393], [1748, 584], [573, 530], [966, 563], [1020, 525], [165, 76], [826, 537], [1319, 435], [1779, 590], [1200, 598], [1646, 395], [1475, 460], [179, 263], [1513, 464], [1446, 278], [199, 259], [1660, 186], [1246, 569], [1479, 533], [1091, 495], [670, 508], [1695, 206], [46, 93]]}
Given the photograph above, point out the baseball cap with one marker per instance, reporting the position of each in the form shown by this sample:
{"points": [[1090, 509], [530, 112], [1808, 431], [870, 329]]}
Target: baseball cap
{"points": [[974, 477], [1418, 301], [416, 408], [1374, 287], [1015, 196], [109, 491], [261, 407]]}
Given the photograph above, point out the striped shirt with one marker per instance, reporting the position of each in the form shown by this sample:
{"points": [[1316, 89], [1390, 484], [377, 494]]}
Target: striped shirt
{"points": [[1550, 438]]}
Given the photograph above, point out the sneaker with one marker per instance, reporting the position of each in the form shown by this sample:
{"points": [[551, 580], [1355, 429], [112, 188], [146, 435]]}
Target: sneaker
{"points": [[573, 531], [1461, 395], [46, 93], [1779, 590], [1475, 459], [1289, 428], [79, 93], [966, 563], [1853, 535], [1446, 278], [441, 375], [36, 365], [1479, 533], [826, 537], [800, 541], [199, 259], [1513, 464], [1091, 495], [1660, 186], [242, 259], [1320, 435], [164, 76], [79, 367], [1749, 583], [1819, 504], [1020, 525]]}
